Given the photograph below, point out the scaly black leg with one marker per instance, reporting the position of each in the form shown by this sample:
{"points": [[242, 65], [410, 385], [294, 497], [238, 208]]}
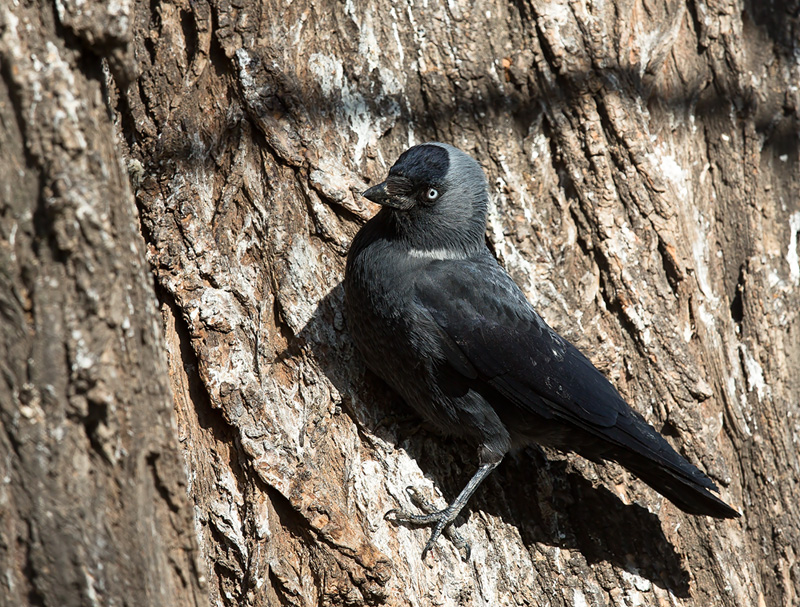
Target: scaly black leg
{"points": [[441, 519]]}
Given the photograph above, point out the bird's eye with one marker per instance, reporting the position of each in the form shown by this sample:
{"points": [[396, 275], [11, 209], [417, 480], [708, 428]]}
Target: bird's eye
{"points": [[432, 194]]}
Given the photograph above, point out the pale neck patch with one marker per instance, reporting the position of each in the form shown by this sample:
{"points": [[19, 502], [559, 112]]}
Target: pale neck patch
{"points": [[437, 254]]}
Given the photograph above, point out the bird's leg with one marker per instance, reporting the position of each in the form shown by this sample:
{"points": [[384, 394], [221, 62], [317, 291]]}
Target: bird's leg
{"points": [[441, 519]]}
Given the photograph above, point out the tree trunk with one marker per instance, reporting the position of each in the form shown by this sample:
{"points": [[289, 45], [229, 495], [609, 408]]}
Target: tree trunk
{"points": [[643, 162], [93, 503]]}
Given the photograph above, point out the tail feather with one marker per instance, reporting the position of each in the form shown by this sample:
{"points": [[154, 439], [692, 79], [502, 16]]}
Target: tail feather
{"points": [[689, 492], [636, 445]]}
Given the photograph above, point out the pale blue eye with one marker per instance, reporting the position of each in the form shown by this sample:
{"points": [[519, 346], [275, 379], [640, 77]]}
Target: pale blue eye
{"points": [[432, 194]]}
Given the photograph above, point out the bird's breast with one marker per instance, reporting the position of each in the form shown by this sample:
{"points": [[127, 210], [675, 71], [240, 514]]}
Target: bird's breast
{"points": [[381, 316]]}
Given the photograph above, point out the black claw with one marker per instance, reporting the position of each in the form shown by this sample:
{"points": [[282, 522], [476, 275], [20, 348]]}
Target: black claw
{"points": [[458, 541], [425, 551], [388, 516]]}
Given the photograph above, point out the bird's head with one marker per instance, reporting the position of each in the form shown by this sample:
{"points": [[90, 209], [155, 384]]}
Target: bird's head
{"points": [[436, 196]]}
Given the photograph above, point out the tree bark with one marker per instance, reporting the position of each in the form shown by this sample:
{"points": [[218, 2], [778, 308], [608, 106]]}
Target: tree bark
{"points": [[93, 502], [643, 165]]}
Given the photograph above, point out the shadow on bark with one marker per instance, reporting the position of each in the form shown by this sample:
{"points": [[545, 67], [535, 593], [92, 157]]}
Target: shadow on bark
{"points": [[779, 18], [284, 108], [540, 496]]}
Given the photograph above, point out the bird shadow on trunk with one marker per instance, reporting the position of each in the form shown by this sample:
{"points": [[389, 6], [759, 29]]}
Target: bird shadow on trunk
{"points": [[539, 494]]}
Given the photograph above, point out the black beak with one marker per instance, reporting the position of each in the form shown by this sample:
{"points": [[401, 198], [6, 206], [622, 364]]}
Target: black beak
{"points": [[379, 195]]}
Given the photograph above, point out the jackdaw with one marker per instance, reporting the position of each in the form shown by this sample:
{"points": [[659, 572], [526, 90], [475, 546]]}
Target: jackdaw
{"points": [[437, 318]]}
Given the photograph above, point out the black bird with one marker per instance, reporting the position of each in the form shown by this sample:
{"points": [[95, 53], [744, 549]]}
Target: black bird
{"points": [[438, 319]]}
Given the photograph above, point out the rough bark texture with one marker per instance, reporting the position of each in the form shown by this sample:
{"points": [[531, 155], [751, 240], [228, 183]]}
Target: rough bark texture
{"points": [[643, 161], [93, 503]]}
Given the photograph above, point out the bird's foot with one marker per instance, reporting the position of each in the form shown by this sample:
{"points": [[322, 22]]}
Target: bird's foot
{"points": [[440, 520]]}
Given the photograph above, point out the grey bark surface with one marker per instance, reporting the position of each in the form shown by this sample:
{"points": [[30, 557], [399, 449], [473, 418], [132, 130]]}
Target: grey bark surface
{"points": [[643, 163]]}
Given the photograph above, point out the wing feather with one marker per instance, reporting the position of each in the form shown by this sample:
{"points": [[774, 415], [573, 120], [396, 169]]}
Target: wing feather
{"points": [[490, 331], [485, 319]]}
